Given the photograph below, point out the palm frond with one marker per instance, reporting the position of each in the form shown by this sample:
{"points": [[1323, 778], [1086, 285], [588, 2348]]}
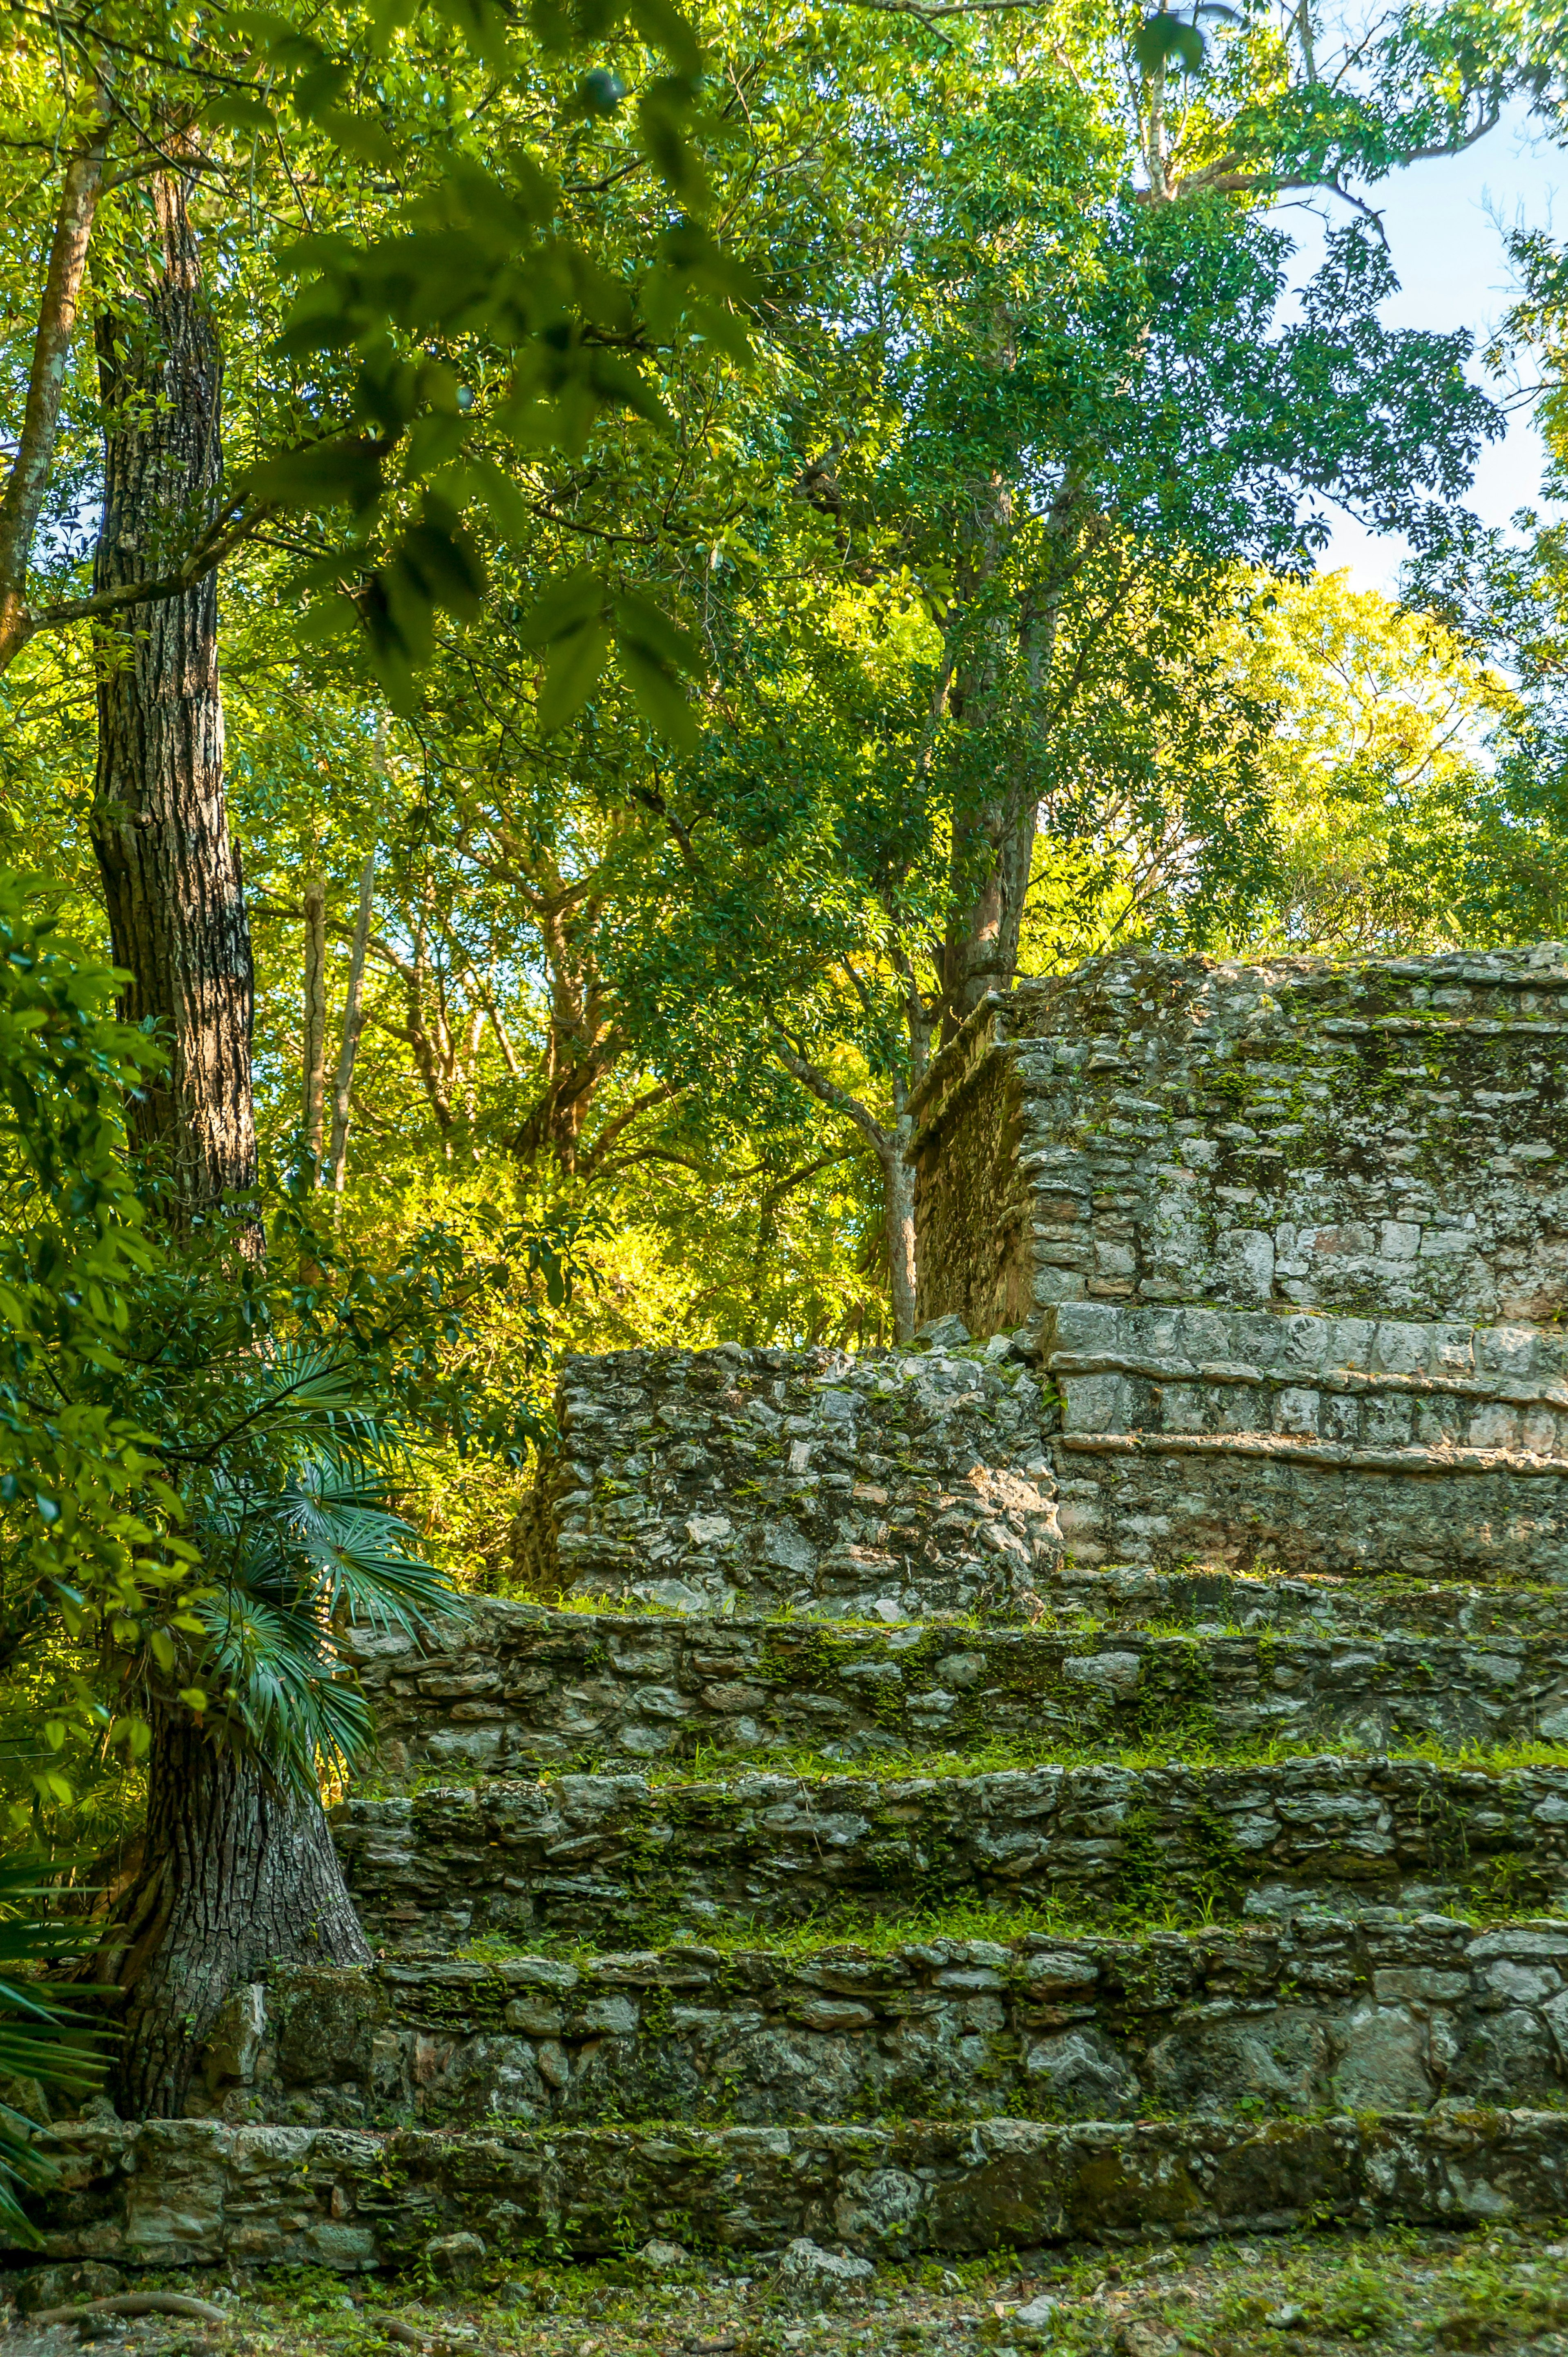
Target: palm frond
{"points": [[40, 2039], [298, 1531], [284, 1688]]}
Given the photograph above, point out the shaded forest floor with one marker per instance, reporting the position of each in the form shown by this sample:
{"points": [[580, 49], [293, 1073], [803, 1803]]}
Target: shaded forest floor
{"points": [[1292, 2297]]}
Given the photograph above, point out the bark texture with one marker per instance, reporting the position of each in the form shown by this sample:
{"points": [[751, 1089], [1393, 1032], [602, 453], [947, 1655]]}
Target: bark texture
{"points": [[315, 1019], [235, 1875], [353, 1023], [171, 876]]}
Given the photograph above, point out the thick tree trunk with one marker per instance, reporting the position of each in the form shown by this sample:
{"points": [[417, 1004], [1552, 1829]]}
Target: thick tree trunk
{"points": [[171, 876], [233, 1873], [235, 1876]]}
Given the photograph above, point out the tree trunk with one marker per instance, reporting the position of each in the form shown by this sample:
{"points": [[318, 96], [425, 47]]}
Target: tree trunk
{"points": [[898, 1198], [235, 1876], [353, 1023], [995, 804], [26, 486], [171, 877], [315, 1020], [234, 1873]]}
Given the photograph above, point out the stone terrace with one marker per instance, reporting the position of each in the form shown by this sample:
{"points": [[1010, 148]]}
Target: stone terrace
{"points": [[1102, 1772]]}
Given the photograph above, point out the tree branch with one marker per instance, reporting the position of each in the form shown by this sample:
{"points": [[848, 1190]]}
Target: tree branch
{"points": [[219, 541], [26, 486], [829, 1094]]}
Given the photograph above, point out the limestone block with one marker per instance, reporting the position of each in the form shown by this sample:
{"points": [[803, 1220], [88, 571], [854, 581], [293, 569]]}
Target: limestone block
{"points": [[831, 1484]]}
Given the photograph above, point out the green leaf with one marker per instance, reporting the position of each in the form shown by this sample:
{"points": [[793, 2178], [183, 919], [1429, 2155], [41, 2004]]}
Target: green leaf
{"points": [[237, 110], [442, 560], [562, 606], [345, 471], [327, 619], [651, 631], [510, 512], [660, 698], [359, 135], [662, 24], [575, 664], [1164, 39]]}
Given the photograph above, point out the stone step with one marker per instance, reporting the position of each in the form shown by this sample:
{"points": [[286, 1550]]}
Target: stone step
{"points": [[951, 1480], [1321, 1444], [521, 1688], [1316, 2013], [608, 1857], [1214, 1599], [170, 2193]]}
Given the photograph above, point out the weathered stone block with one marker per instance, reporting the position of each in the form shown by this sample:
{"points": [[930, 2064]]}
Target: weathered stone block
{"points": [[899, 1482], [572, 1688], [1366, 2012]]}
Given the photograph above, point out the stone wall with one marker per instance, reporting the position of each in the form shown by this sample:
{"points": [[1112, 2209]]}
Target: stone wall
{"points": [[1320, 2013], [1384, 1138], [894, 1483], [616, 1857], [522, 1689], [1321, 1443], [200, 2193]]}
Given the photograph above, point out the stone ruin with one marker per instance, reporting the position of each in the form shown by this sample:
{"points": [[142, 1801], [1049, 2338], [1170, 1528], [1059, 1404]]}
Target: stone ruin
{"points": [[1104, 1772]]}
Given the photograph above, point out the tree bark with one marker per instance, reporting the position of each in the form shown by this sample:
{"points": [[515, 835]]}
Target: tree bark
{"points": [[995, 804], [171, 876], [236, 1877], [890, 1146], [315, 1020], [898, 1198]]}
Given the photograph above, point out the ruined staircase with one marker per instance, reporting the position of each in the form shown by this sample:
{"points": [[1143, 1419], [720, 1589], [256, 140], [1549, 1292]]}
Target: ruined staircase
{"points": [[1109, 1776]]}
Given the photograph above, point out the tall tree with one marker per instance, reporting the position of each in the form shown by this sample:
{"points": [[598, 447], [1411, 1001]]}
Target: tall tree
{"points": [[238, 1867]]}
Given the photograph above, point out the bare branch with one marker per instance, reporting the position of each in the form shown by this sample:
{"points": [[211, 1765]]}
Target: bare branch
{"points": [[666, 1092]]}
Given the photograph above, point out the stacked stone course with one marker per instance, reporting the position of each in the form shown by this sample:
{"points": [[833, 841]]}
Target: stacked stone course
{"points": [[1321, 2012], [1104, 1772]]}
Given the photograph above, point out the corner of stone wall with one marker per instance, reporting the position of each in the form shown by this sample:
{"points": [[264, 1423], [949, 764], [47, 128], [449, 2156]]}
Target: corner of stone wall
{"points": [[971, 1203]]}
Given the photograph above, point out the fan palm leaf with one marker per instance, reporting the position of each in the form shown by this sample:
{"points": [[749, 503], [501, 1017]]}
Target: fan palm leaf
{"points": [[42, 2041]]}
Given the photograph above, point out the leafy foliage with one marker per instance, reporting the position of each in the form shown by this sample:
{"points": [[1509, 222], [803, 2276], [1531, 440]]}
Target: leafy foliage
{"points": [[209, 1546]]}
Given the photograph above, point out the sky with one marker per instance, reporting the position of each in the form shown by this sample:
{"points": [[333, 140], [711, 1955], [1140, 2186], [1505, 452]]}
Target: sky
{"points": [[1444, 222]]}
